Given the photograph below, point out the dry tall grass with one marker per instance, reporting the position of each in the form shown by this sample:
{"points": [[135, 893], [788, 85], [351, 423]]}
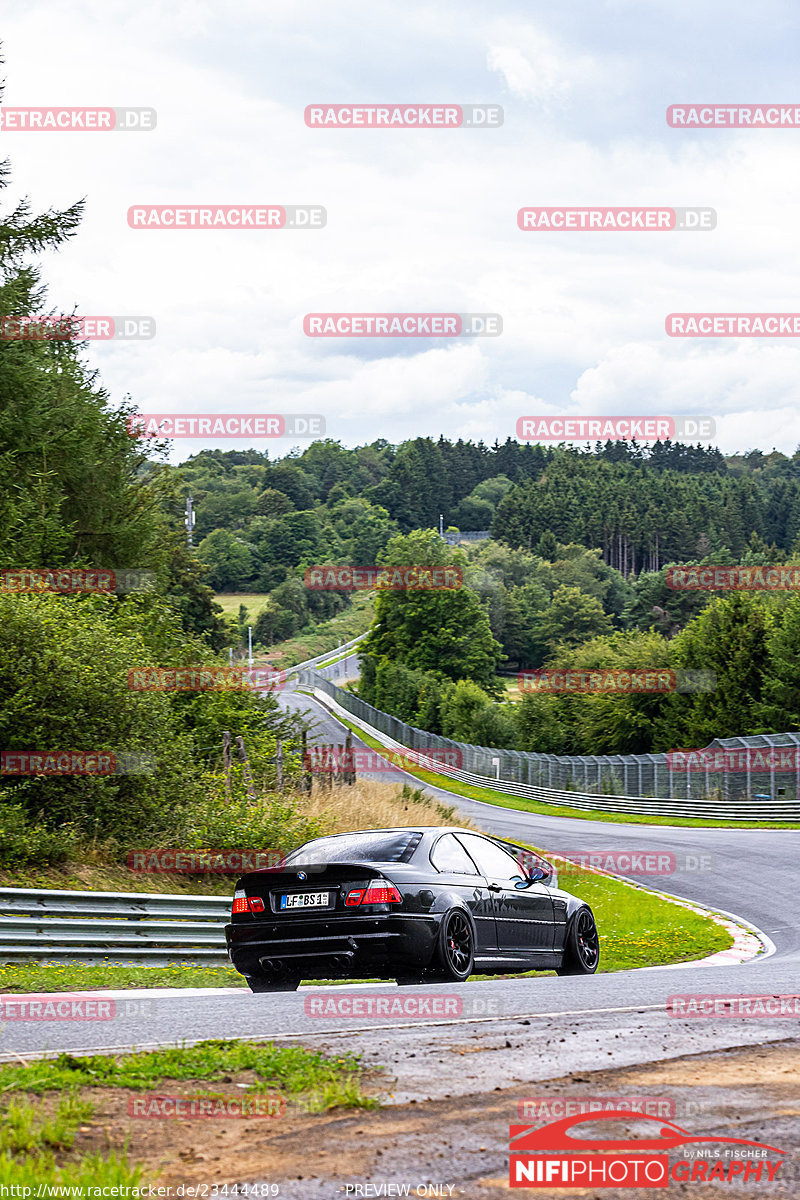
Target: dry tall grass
{"points": [[371, 804]]}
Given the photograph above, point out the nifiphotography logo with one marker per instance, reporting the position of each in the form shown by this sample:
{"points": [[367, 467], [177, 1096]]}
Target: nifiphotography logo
{"points": [[552, 1156]]}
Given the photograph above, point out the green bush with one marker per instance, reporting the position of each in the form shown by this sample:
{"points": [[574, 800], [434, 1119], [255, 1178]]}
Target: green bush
{"points": [[23, 842], [270, 822]]}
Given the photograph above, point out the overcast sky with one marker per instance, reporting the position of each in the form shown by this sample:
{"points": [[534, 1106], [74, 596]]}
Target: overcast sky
{"points": [[422, 220]]}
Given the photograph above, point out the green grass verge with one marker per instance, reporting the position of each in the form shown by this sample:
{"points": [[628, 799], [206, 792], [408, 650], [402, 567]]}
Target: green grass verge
{"points": [[91, 1171], [306, 1076], [523, 804], [25, 1129], [83, 977], [31, 1137]]}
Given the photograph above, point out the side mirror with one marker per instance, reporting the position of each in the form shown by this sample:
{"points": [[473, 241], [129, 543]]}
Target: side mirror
{"points": [[536, 868]]}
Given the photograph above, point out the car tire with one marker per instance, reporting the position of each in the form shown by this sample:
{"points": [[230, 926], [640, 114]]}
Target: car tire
{"points": [[582, 947], [267, 983], [454, 959]]}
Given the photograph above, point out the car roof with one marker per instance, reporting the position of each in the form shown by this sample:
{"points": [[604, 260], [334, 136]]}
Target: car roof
{"points": [[407, 829]]}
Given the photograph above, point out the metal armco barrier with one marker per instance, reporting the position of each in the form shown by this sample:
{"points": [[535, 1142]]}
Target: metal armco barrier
{"points": [[112, 927], [737, 796], [323, 658]]}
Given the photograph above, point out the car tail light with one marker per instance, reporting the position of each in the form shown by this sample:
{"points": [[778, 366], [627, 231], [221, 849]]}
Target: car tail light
{"points": [[243, 903], [379, 892]]}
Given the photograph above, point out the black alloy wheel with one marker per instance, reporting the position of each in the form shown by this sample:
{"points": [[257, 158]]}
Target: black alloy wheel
{"points": [[582, 950]]}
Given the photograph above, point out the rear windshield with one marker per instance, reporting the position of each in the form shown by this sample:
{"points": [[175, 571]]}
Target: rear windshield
{"points": [[392, 846]]}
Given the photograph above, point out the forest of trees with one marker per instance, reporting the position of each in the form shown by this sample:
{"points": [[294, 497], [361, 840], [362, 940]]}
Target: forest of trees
{"points": [[77, 490], [432, 662], [261, 522]]}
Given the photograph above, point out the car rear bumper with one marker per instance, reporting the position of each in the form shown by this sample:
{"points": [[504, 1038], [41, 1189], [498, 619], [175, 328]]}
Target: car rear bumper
{"points": [[341, 947]]}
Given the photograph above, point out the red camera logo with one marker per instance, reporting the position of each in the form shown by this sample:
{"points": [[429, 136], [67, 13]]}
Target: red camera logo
{"points": [[554, 1156]]}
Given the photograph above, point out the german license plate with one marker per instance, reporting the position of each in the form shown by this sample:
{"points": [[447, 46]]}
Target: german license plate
{"points": [[305, 900]]}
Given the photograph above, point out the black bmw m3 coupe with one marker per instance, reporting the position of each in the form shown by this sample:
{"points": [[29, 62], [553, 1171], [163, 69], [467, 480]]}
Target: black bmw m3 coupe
{"points": [[406, 904]]}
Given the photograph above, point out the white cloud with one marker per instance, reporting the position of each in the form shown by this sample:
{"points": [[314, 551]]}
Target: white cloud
{"points": [[417, 221]]}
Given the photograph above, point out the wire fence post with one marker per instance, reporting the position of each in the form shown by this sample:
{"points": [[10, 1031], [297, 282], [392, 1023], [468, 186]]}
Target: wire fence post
{"points": [[306, 764], [246, 769], [226, 762], [279, 764]]}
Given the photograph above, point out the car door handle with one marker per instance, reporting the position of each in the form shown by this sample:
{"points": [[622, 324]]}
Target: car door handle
{"points": [[495, 887]]}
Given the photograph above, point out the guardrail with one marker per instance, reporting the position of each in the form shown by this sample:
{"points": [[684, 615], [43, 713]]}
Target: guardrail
{"points": [[695, 804], [324, 658], [112, 927]]}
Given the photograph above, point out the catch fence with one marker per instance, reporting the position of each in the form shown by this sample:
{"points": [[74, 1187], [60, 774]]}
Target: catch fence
{"points": [[636, 783]]}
